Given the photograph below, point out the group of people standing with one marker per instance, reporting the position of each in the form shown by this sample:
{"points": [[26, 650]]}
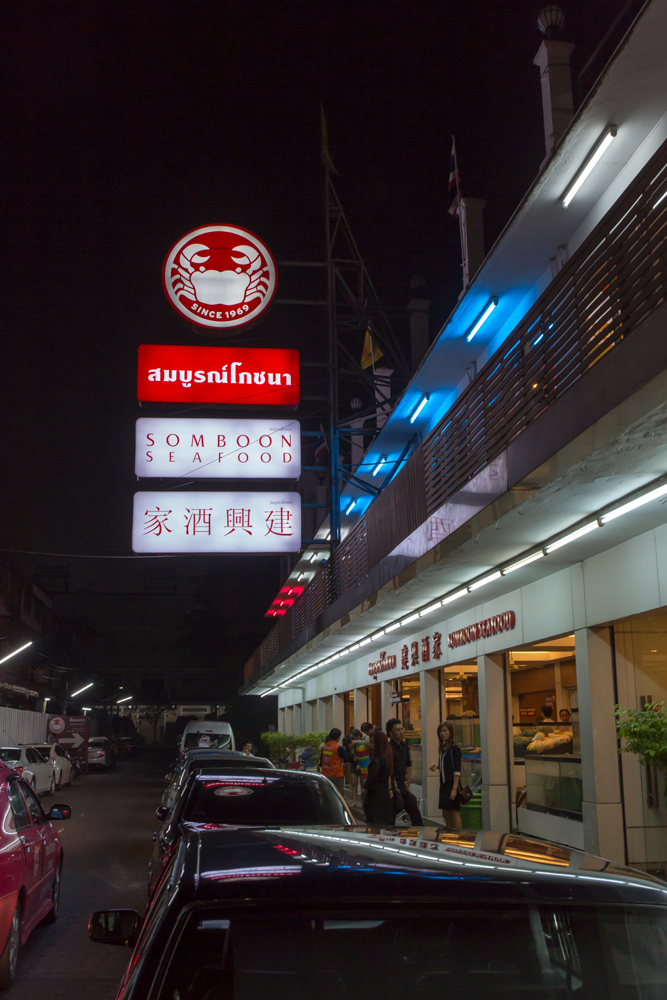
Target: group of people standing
{"points": [[379, 764]]}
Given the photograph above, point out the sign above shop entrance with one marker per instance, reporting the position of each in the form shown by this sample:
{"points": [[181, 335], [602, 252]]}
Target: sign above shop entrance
{"points": [[239, 376], [224, 448], [202, 522], [480, 630], [221, 277]]}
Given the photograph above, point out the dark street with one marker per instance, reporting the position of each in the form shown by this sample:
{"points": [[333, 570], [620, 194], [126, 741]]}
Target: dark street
{"points": [[107, 845]]}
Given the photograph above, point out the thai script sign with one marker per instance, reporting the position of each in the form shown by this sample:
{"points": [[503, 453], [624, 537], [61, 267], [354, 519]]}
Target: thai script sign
{"points": [[225, 448], [480, 630], [248, 376], [220, 277], [201, 522]]}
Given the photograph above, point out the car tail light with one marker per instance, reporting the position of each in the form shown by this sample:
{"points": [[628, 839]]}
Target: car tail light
{"points": [[18, 769]]}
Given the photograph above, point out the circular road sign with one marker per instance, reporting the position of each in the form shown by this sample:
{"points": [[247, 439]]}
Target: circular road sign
{"points": [[220, 277], [57, 725]]}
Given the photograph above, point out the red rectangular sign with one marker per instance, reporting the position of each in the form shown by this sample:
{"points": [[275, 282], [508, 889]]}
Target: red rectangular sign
{"points": [[246, 376]]}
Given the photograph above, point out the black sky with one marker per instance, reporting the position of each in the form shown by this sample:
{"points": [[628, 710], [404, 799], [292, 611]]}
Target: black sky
{"points": [[126, 124]]}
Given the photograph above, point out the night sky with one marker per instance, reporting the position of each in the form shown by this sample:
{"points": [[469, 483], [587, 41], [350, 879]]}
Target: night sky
{"points": [[124, 125]]}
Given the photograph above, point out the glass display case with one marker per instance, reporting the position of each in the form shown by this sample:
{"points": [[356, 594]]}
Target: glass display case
{"points": [[553, 785]]}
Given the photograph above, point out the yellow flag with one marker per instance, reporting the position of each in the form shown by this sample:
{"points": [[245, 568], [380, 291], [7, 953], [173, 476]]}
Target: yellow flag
{"points": [[370, 352]]}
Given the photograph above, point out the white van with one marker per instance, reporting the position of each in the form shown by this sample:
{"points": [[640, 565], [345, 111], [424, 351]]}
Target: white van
{"points": [[217, 735]]}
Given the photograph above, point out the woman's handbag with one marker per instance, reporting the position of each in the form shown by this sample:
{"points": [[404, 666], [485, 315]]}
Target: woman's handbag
{"points": [[399, 805], [465, 793]]}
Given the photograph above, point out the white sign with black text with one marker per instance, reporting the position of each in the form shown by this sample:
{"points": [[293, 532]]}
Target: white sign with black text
{"points": [[172, 521], [220, 448]]}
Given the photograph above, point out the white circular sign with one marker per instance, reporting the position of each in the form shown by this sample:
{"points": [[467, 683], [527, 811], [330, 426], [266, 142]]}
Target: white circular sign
{"points": [[220, 277], [229, 793], [57, 725]]}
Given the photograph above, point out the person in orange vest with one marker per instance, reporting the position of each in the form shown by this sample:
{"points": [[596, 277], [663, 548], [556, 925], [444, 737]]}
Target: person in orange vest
{"points": [[332, 759]]}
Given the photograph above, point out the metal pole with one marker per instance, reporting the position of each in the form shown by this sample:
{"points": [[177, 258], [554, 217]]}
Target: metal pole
{"points": [[332, 360]]}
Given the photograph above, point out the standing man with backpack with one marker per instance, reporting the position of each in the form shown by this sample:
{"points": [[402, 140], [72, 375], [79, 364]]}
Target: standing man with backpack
{"points": [[403, 771]]}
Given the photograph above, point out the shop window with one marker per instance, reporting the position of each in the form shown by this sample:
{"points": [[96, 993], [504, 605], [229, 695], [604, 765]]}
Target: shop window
{"points": [[545, 723], [409, 711], [459, 702]]}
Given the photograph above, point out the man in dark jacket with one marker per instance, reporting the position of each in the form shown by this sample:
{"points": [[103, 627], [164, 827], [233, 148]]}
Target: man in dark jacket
{"points": [[403, 769]]}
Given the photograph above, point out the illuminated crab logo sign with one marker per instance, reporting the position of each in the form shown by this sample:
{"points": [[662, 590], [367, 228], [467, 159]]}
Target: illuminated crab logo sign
{"points": [[220, 277]]}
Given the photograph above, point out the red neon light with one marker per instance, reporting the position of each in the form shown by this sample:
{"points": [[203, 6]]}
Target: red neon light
{"points": [[247, 376]]}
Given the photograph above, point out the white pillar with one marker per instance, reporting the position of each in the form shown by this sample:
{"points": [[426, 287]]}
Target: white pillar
{"points": [[553, 62], [388, 710], [321, 715], [494, 738], [428, 692], [339, 712], [360, 709], [602, 810]]}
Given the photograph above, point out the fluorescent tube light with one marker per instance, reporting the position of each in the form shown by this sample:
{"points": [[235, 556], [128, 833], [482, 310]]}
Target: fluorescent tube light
{"points": [[572, 536], [390, 628], [430, 608], [86, 708], [455, 596], [482, 318], [419, 407], [121, 700], [411, 618], [364, 642], [314, 557], [20, 650], [80, 691], [351, 506], [485, 579], [523, 562], [272, 691], [661, 198], [352, 648], [594, 158], [378, 635], [377, 468], [633, 504]]}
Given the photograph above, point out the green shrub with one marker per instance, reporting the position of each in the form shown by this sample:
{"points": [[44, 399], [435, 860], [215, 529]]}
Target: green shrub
{"points": [[645, 733], [283, 747]]}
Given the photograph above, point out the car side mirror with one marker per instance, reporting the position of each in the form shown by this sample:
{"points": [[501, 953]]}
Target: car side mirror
{"points": [[119, 927], [162, 812], [59, 811]]}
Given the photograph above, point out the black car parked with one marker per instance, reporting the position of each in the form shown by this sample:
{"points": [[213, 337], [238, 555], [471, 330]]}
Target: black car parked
{"points": [[430, 914], [251, 796]]}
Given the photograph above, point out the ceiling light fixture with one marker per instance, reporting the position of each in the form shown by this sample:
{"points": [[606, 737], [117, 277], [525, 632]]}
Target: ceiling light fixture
{"points": [[121, 700], [15, 653], [483, 582], [661, 491], [377, 468], [80, 691], [455, 596], [572, 537], [523, 562], [410, 618], [430, 608], [594, 157], [419, 407], [482, 318], [351, 506]]}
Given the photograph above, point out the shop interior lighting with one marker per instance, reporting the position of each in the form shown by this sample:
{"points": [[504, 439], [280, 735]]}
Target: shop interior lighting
{"points": [[419, 407], [377, 468], [482, 318], [127, 698], [572, 536], [598, 151], [485, 579], [661, 491], [430, 608], [15, 653], [351, 506], [523, 562], [75, 693]]}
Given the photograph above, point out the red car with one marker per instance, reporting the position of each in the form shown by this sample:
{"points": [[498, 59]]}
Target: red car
{"points": [[31, 861]]}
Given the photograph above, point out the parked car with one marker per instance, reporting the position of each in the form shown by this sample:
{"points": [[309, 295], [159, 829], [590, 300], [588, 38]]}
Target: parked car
{"points": [[127, 746], [100, 753], [27, 761], [62, 765], [206, 758], [217, 735], [215, 796], [31, 866], [250, 913]]}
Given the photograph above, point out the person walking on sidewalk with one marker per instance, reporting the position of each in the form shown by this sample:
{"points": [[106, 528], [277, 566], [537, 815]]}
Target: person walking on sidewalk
{"points": [[378, 805], [363, 752], [403, 770], [332, 759], [450, 776]]}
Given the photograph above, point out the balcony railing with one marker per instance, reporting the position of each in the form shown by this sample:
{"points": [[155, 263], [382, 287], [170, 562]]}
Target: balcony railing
{"points": [[604, 292]]}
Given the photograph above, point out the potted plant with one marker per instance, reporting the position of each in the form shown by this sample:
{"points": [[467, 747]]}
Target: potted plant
{"points": [[644, 731]]}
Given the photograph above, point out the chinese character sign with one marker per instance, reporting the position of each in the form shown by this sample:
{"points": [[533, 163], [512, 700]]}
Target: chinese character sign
{"points": [[225, 448], [173, 521]]}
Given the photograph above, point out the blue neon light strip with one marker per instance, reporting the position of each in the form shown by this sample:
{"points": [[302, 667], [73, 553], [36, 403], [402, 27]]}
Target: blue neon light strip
{"points": [[482, 318]]}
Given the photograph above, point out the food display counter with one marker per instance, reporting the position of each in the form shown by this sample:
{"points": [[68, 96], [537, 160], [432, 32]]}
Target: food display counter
{"points": [[553, 784]]}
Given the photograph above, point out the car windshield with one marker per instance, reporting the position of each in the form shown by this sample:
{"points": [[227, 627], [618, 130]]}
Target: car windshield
{"points": [[10, 754], [235, 763], [259, 799], [216, 740], [97, 744], [541, 949]]}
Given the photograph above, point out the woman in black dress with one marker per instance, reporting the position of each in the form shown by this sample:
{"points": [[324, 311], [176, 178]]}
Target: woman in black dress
{"points": [[377, 801], [450, 776]]}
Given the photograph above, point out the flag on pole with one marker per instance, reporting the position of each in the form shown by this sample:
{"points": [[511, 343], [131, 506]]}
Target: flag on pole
{"points": [[454, 186], [370, 352], [321, 449], [324, 134]]}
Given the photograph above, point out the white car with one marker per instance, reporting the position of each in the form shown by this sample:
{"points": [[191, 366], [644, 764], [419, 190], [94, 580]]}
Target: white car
{"points": [[39, 773], [60, 761]]}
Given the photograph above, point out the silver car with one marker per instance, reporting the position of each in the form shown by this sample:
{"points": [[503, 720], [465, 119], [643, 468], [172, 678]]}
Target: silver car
{"points": [[100, 753]]}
